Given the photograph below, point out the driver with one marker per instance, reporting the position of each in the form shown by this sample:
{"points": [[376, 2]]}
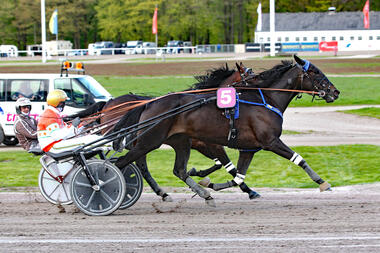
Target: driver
{"points": [[25, 127], [54, 135]]}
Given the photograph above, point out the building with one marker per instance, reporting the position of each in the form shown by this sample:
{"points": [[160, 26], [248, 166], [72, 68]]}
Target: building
{"points": [[346, 29]]}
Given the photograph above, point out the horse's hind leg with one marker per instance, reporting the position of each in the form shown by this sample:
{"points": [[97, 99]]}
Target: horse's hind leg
{"points": [[221, 159], [245, 159], [141, 163], [278, 147], [181, 145]]}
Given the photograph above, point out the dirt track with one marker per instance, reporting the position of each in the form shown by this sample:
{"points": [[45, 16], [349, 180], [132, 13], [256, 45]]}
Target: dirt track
{"points": [[283, 220]]}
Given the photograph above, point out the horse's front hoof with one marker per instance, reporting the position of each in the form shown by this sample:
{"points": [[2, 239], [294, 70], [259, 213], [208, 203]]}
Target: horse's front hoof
{"points": [[167, 198], [254, 195], [210, 201], [192, 172], [325, 187], [205, 182]]}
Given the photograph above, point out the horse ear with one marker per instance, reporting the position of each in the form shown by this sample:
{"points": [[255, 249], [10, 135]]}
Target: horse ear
{"points": [[299, 60], [238, 67], [226, 65]]}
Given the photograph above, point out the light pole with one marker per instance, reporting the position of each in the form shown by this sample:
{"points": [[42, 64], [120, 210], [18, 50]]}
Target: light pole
{"points": [[43, 31], [272, 27]]}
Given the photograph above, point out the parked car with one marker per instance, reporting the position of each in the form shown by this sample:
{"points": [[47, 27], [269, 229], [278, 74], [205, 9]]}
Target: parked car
{"points": [[101, 46], [77, 52], [122, 47], [187, 44], [175, 46], [145, 48], [131, 45]]}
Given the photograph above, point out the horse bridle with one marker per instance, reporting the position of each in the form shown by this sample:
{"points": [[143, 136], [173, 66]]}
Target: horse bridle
{"points": [[321, 92]]}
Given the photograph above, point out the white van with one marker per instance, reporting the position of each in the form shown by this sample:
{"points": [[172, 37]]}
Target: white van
{"points": [[82, 91]]}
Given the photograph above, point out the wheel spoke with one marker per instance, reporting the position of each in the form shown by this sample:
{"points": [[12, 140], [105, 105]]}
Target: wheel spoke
{"points": [[90, 199], [107, 197], [83, 184], [109, 180], [54, 190], [129, 185]]}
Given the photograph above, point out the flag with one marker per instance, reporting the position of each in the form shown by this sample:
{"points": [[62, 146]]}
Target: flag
{"points": [[53, 23], [259, 21], [366, 15], [154, 23]]}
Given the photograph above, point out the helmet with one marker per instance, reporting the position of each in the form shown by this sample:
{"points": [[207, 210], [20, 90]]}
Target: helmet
{"points": [[22, 102], [55, 97]]}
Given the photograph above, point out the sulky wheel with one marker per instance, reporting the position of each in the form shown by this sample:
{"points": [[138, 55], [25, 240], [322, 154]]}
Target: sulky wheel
{"points": [[103, 198], [56, 190], [134, 185]]}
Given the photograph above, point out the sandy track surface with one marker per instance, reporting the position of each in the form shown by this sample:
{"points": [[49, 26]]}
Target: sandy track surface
{"points": [[283, 220]]}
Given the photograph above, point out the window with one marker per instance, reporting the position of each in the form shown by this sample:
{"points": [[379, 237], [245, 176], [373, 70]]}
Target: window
{"points": [[297, 38], [359, 37], [279, 39], [261, 39], [323, 39], [333, 38], [74, 90], [35, 90], [370, 37], [268, 39], [304, 38], [341, 38], [286, 38], [352, 38], [2, 90], [378, 38], [315, 38]]}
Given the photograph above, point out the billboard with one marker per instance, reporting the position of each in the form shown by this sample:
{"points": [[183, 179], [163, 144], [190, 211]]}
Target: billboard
{"points": [[300, 46], [328, 46]]}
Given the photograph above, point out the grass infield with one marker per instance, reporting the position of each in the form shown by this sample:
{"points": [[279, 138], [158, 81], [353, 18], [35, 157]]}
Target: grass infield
{"points": [[339, 165]]}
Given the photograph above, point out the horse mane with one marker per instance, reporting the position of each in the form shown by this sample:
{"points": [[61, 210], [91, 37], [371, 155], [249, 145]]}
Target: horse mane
{"points": [[267, 77], [213, 78]]}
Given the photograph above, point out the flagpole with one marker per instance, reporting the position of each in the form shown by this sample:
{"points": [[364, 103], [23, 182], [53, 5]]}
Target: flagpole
{"points": [[272, 27], [43, 31], [157, 31]]}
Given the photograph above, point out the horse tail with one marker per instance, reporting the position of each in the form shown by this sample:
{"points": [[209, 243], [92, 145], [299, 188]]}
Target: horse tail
{"points": [[87, 112], [130, 118]]}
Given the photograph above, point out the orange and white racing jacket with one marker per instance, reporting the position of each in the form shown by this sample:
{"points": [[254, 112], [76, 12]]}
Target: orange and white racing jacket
{"points": [[51, 129]]}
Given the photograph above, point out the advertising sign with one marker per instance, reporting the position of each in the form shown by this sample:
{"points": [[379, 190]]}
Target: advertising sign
{"points": [[328, 46]]}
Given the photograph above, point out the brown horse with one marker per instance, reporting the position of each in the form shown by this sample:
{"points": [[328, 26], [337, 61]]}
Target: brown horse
{"points": [[259, 124], [113, 110]]}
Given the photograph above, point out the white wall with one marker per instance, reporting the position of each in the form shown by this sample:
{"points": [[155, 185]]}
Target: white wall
{"points": [[353, 40]]}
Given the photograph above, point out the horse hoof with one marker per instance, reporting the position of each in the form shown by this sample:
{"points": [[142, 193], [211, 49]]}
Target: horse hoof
{"points": [[167, 198], [254, 195], [192, 172], [325, 187], [210, 202], [205, 182]]}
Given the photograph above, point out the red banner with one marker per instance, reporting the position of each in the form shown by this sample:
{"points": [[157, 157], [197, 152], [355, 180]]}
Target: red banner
{"points": [[328, 45], [154, 23], [366, 15]]}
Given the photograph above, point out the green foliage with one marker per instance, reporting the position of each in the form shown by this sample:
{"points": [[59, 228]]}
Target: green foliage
{"points": [[199, 21], [339, 165]]}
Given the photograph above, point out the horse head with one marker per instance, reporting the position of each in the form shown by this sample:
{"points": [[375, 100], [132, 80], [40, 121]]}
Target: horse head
{"points": [[315, 80]]}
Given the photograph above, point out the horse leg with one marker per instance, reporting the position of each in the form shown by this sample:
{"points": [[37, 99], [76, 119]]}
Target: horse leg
{"points": [[278, 147], [245, 159], [211, 151], [182, 145], [141, 163]]}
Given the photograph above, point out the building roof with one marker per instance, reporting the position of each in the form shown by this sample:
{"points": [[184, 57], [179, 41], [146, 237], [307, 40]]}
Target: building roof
{"points": [[321, 21]]}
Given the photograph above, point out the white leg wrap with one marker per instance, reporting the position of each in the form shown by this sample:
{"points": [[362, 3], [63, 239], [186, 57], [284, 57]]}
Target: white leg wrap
{"points": [[239, 178], [296, 158], [217, 162], [229, 166]]}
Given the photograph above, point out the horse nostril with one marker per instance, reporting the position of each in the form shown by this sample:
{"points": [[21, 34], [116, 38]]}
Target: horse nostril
{"points": [[336, 93]]}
